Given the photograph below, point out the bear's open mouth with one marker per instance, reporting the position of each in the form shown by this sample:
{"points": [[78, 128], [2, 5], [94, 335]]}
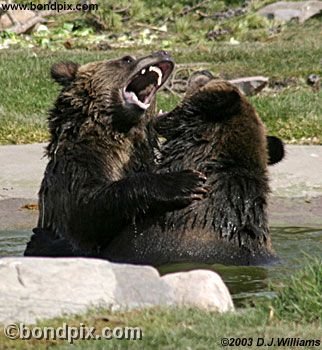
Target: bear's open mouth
{"points": [[143, 86]]}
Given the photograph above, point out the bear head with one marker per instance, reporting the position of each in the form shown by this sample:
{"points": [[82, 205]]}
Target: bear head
{"points": [[275, 145], [114, 96]]}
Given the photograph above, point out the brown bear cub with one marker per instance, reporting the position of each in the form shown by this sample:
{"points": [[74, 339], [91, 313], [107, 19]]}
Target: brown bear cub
{"points": [[100, 179]]}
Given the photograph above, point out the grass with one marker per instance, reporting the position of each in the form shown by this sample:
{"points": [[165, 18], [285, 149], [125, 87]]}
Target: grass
{"points": [[300, 299], [295, 115], [292, 112], [294, 313]]}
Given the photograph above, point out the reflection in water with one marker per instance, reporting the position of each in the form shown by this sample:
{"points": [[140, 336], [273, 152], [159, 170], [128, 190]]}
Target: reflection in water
{"points": [[292, 245]]}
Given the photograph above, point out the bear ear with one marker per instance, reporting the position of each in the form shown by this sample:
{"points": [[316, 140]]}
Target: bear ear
{"points": [[275, 147], [64, 72]]}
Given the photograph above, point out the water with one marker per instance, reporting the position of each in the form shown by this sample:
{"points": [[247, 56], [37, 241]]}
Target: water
{"points": [[292, 245], [13, 243]]}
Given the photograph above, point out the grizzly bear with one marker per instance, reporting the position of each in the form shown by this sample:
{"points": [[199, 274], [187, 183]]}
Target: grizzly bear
{"points": [[100, 180], [216, 131]]}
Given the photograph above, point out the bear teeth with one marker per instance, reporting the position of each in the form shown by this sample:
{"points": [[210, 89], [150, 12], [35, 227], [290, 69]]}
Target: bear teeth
{"points": [[143, 71], [158, 71], [132, 98]]}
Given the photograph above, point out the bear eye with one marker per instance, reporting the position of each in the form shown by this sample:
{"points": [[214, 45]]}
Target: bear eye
{"points": [[127, 59]]}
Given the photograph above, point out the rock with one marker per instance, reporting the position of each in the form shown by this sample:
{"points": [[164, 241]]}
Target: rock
{"points": [[12, 17], [16, 15], [197, 288], [38, 288], [250, 85], [288, 10]]}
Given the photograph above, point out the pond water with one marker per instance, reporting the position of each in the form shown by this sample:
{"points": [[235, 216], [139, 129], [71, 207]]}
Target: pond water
{"points": [[293, 245]]}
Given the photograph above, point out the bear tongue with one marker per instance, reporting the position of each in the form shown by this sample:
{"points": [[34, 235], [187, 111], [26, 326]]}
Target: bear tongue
{"points": [[131, 97]]}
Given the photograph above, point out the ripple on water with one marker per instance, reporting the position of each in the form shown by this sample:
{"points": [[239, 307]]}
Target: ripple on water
{"points": [[13, 243]]}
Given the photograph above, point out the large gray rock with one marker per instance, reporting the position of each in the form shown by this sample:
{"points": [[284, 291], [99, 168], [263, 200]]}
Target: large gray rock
{"points": [[40, 288], [287, 10]]}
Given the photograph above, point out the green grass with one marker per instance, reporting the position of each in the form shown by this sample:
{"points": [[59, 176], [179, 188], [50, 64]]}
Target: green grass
{"points": [[300, 298], [294, 112], [296, 312], [29, 92], [173, 329]]}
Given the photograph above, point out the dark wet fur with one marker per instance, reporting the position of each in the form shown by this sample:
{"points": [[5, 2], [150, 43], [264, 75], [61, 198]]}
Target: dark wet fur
{"points": [[215, 131]]}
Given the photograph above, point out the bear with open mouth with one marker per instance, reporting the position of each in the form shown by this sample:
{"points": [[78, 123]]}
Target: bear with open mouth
{"points": [[100, 179]]}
